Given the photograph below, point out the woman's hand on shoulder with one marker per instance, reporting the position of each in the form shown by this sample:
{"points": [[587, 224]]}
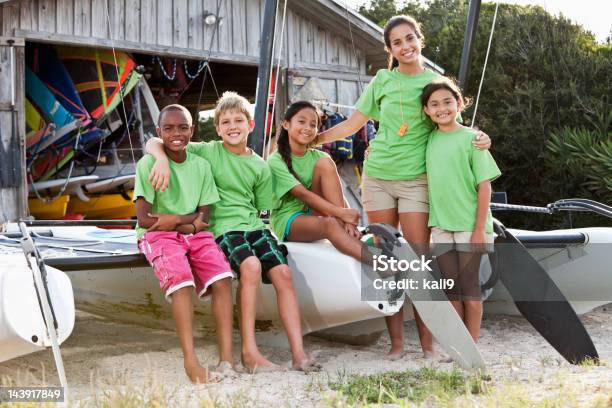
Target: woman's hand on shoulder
{"points": [[482, 141], [160, 175]]}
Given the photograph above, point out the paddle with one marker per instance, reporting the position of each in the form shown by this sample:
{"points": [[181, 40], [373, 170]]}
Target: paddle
{"points": [[540, 300]]}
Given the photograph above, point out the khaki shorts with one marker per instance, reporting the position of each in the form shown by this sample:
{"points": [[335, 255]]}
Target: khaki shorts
{"points": [[405, 195], [457, 240]]}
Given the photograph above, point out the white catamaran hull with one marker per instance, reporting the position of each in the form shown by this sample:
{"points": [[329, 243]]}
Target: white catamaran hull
{"points": [[327, 283], [22, 328], [582, 270]]}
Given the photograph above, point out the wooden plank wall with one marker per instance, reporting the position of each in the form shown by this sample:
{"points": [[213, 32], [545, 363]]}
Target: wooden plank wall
{"points": [[13, 192], [178, 24]]}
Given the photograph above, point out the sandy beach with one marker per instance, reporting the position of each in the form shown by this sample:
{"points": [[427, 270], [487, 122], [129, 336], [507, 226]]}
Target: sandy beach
{"points": [[109, 363]]}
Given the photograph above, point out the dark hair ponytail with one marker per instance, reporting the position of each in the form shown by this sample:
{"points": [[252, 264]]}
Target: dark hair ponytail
{"points": [[391, 24], [282, 143]]}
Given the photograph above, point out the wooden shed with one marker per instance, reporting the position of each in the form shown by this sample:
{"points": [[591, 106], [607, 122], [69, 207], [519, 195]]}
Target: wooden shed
{"points": [[322, 40]]}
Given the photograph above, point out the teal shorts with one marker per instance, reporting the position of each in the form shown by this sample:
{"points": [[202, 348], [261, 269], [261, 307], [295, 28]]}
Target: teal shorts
{"points": [[290, 220]]}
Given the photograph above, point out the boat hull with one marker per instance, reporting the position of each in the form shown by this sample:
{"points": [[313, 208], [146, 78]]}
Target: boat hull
{"points": [[580, 270], [22, 327], [133, 294], [327, 284]]}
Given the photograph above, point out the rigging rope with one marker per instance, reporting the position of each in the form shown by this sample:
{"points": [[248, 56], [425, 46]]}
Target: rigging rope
{"points": [[63, 188], [127, 124], [191, 76], [207, 59], [163, 69], [348, 20], [484, 68]]}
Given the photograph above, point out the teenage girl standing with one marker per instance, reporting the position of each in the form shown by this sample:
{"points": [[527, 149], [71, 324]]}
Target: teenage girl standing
{"points": [[394, 188]]}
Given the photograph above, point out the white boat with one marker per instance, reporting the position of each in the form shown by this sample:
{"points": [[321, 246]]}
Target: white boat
{"points": [[577, 260], [22, 327], [111, 279]]}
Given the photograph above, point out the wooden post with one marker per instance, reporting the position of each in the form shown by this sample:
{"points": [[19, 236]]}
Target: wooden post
{"points": [[13, 185]]}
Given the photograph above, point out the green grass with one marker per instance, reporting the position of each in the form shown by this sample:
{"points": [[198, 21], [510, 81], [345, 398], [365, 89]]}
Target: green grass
{"points": [[415, 386]]}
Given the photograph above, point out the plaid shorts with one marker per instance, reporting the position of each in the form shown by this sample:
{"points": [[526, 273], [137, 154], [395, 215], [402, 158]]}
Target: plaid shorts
{"points": [[239, 245]]}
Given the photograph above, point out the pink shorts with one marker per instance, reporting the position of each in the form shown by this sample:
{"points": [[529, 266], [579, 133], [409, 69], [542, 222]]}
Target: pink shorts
{"points": [[185, 260]]}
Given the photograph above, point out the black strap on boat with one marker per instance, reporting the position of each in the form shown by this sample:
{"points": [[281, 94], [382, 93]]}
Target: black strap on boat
{"points": [[79, 263]]}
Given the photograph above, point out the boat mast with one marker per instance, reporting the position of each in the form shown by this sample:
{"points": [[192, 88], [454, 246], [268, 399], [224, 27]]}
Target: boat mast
{"points": [[256, 141], [468, 40]]}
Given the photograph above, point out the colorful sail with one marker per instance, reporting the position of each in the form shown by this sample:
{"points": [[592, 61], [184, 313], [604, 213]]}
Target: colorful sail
{"points": [[44, 99], [36, 127], [101, 77], [49, 69]]}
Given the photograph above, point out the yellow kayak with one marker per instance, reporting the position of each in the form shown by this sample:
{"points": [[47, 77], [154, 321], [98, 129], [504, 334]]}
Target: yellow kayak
{"points": [[104, 206], [53, 210]]}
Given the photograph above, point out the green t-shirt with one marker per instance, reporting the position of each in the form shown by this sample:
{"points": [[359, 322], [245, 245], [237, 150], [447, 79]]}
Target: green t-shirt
{"points": [[191, 186], [283, 181], [394, 157], [454, 170], [244, 184]]}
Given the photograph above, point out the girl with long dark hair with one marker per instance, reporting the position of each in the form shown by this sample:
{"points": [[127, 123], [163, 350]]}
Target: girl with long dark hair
{"points": [[310, 203]]}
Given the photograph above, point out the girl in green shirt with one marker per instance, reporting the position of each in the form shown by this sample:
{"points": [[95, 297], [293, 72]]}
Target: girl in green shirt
{"points": [[310, 203], [394, 189], [459, 197]]}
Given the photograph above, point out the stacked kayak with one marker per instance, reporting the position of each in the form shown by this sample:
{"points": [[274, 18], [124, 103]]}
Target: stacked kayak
{"points": [[71, 97], [83, 197]]}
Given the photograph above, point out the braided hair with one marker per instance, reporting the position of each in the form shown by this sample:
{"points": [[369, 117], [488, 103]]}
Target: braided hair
{"points": [[284, 149]]}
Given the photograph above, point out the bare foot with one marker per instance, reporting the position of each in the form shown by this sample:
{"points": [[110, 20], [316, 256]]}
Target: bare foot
{"points": [[431, 355], [395, 353], [445, 359], [309, 364], [258, 363], [439, 357], [198, 374], [225, 369], [394, 356]]}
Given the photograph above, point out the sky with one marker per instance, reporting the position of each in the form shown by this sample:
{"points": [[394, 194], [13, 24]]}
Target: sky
{"points": [[594, 15]]}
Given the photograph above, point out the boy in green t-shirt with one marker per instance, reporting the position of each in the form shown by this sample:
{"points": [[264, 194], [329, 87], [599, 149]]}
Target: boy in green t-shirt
{"points": [[245, 187], [172, 235], [459, 181]]}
